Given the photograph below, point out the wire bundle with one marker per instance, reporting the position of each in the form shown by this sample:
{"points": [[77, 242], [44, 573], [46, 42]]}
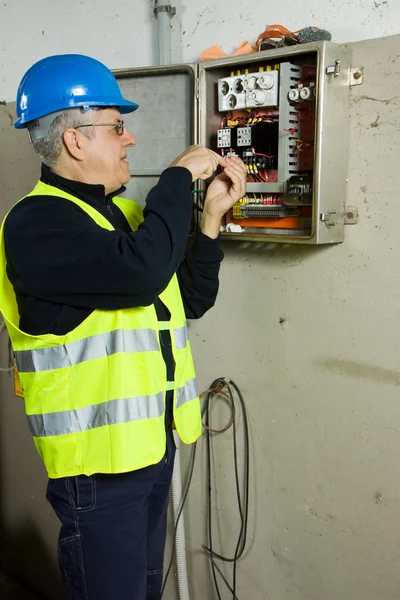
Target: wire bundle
{"points": [[227, 389]]}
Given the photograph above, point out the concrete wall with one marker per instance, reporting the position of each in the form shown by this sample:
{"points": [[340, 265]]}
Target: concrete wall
{"points": [[310, 335]]}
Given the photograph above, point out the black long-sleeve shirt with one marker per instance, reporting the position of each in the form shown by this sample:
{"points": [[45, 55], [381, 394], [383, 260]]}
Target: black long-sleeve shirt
{"points": [[63, 265]]}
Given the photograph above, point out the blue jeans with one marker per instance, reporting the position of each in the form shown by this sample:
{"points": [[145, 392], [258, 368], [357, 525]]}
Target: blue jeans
{"points": [[112, 538]]}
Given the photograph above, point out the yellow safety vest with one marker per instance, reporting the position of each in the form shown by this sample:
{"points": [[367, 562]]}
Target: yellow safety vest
{"points": [[95, 397]]}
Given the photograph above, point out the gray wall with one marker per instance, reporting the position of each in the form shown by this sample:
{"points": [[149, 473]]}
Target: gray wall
{"points": [[310, 336]]}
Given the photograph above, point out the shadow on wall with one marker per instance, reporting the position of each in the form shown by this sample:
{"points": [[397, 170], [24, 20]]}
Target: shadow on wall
{"points": [[359, 370], [28, 527], [27, 559], [290, 255]]}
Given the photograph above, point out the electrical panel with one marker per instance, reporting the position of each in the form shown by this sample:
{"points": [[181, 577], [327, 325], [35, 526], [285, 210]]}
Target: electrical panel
{"points": [[274, 134], [285, 113]]}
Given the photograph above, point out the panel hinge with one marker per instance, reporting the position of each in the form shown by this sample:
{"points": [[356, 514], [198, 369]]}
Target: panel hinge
{"points": [[332, 218], [197, 92], [334, 69]]}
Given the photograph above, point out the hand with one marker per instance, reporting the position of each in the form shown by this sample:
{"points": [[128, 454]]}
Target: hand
{"points": [[200, 161], [226, 189]]}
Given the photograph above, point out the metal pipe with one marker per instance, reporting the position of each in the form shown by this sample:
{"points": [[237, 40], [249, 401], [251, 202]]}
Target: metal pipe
{"points": [[163, 14]]}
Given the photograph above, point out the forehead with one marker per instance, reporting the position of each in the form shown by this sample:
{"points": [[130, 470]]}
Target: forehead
{"points": [[109, 114]]}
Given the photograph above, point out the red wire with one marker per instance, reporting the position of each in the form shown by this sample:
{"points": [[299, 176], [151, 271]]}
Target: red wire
{"points": [[263, 176], [265, 155]]}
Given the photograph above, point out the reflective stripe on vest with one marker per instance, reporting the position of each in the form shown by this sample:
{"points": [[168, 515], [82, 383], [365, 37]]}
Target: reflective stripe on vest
{"points": [[95, 346], [97, 415], [186, 393], [112, 412], [180, 334], [181, 337]]}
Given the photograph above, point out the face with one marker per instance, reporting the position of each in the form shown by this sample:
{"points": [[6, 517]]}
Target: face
{"points": [[105, 152]]}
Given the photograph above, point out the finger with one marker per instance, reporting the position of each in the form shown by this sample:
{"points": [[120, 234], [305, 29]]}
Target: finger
{"points": [[235, 160], [222, 177], [207, 173], [240, 170], [234, 176], [238, 180], [220, 160]]}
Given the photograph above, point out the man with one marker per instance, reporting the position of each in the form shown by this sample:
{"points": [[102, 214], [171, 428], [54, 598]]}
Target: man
{"points": [[95, 293]]}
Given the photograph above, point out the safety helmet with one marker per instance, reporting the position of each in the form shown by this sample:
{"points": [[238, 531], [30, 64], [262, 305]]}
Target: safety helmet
{"points": [[67, 81]]}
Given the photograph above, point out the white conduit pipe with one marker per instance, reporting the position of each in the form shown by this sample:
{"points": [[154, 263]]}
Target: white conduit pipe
{"points": [[180, 543]]}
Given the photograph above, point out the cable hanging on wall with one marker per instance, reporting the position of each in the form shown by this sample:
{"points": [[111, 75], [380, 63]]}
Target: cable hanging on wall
{"points": [[227, 389]]}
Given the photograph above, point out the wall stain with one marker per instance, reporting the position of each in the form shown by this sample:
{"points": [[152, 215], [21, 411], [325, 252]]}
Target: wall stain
{"points": [[375, 123], [359, 370], [357, 100], [384, 4], [314, 512], [4, 103]]}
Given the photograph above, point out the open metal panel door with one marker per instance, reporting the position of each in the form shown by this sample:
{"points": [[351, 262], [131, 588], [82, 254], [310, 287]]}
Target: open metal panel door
{"points": [[165, 123]]}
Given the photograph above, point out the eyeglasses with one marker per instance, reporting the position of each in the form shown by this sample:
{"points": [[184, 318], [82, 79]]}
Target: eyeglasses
{"points": [[119, 126]]}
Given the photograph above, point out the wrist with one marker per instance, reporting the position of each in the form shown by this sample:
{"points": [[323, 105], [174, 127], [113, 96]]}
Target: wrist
{"points": [[182, 165], [210, 224]]}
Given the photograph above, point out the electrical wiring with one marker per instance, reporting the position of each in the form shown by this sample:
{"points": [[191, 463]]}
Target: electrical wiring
{"points": [[216, 389], [265, 155], [263, 176]]}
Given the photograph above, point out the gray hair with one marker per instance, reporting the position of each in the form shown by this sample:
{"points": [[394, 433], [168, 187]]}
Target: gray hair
{"points": [[49, 147]]}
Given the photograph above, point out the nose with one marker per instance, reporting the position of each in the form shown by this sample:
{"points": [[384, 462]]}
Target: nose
{"points": [[130, 139]]}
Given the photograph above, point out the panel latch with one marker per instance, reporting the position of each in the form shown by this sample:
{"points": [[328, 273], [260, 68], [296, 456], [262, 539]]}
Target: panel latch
{"points": [[334, 69], [332, 217]]}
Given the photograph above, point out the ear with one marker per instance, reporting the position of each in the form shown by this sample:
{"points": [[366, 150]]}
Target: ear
{"points": [[74, 143]]}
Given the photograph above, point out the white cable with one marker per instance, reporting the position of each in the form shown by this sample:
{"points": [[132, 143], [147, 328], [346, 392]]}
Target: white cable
{"points": [[180, 546]]}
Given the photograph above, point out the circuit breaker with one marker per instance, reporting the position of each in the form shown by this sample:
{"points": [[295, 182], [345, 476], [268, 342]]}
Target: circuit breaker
{"points": [[284, 112]]}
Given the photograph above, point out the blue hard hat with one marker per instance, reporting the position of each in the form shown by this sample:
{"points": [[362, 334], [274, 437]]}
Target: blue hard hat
{"points": [[67, 81]]}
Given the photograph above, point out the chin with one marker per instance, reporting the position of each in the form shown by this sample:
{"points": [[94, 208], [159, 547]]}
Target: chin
{"points": [[125, 177]]}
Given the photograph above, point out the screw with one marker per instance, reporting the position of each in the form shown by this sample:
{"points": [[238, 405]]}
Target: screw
{"points": [[357, 74], [350, 215]]}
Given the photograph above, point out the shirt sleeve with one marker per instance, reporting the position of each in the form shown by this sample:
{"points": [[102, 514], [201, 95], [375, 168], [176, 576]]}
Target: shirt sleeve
{"points": [[198, 275], [56, 252]]}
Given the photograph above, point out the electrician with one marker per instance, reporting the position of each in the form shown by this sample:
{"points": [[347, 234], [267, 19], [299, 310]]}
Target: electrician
{"points": [[95, 293]]}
